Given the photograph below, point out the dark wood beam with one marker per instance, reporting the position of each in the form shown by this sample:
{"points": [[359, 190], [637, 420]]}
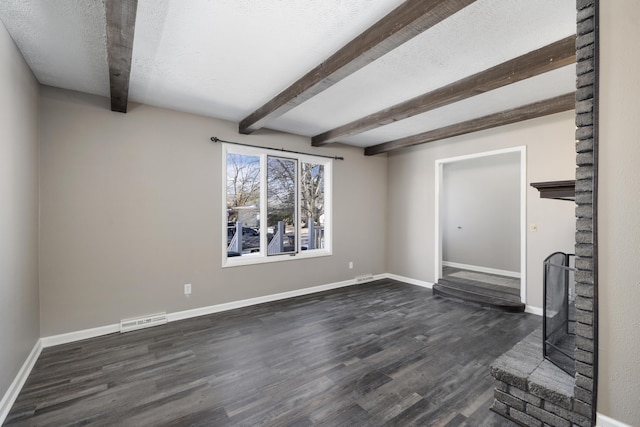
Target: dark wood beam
{"points": [[550, 57], [403, 23], [531, 111], [121, 21]]}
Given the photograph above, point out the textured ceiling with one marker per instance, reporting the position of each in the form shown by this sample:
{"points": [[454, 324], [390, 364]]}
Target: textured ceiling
{"points": [[226, 58], [64, 42]]}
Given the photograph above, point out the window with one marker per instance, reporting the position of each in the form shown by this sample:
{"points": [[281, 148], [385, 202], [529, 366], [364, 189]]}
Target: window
{"points": [[277, 205]]}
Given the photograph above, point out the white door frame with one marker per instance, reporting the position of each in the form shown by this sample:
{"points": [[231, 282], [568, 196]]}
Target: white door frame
{"points": [[523, 209]]}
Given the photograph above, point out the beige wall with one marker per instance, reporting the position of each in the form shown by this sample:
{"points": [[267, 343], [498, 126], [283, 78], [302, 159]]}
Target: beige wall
{"points": [[619, 212], [19, 312], [131, 210], [550, 156]]}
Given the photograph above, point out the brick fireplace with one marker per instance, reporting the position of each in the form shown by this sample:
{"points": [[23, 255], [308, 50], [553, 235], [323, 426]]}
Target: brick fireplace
{"points": [[530, 390]]}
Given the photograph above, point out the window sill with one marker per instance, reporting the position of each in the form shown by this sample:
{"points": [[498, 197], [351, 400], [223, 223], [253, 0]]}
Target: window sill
{"points": [[258, 259]]}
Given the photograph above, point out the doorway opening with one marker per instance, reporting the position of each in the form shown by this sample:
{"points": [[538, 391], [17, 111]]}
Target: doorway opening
{"points": [[480, 228]]}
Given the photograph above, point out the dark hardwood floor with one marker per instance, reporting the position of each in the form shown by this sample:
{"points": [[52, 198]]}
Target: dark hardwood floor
{"points": [[383, 353]]}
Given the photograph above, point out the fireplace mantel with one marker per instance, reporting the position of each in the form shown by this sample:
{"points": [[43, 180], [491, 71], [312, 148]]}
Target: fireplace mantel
{"points": [[560, 190]]}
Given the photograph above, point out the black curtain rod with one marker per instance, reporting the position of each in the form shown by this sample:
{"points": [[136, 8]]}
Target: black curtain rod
{"points": [[216, 139]]}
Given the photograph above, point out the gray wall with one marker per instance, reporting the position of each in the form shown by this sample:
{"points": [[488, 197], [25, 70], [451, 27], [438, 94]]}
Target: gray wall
{"points": [[619, 212], [550, 156], [481, 212], [19, 312], [131, 210]]}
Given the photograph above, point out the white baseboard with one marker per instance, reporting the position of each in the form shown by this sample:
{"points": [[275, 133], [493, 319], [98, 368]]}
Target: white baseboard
{"points": [[11, 395], [604, 421], [409, 280], [202, 311], [79, 335], [533, 310], [482, 269]]}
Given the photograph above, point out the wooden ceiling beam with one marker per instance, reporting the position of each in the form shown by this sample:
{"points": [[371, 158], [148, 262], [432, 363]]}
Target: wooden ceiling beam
{"points": [[121, 21], [548, 58], [400, 25], [531, 111]]}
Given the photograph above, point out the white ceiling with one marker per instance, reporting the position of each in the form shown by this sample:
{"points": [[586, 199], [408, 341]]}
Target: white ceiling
{"points": [[226, 58]]}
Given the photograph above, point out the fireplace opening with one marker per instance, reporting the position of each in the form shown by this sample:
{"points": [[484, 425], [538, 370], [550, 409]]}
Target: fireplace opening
{"points": [[559, 311]]}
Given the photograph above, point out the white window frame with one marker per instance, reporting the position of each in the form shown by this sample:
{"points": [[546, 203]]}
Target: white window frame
{"points": [[262, 257]]}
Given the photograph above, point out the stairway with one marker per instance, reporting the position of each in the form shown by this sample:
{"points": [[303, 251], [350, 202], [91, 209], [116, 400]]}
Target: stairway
{"points": [[479, 294]]}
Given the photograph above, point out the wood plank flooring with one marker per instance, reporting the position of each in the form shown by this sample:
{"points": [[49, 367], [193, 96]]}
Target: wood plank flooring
{"points": [[382, 353]]}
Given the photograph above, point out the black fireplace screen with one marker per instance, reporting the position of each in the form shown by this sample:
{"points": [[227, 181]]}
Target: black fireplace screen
{"points": [[559, 311]]}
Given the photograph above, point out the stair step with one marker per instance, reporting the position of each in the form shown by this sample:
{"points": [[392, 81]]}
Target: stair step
{"points": [[477, 298], [482, 288]]}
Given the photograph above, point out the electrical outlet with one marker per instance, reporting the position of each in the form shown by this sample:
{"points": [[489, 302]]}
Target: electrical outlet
{"points": [[350, 265], [187, 289]]}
